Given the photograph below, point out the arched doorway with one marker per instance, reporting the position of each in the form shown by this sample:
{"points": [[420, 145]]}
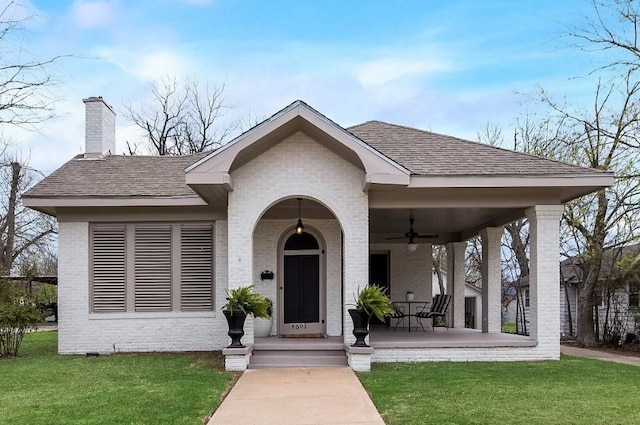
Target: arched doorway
{"points": [[301, 295]]}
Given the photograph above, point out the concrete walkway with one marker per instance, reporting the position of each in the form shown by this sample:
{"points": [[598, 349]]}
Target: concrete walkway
{"points": [[314, 396], [599, 355]]}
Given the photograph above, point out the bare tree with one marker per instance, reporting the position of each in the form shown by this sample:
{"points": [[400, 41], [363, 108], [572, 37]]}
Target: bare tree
{"points": [[440, 265], [602, 138], [23, 232], [473, 262], [182, 117], [613, 28], [25, 99], [515, 269], [491, 135]]}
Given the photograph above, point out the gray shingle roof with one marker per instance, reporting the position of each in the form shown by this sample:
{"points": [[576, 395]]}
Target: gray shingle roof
{"points": [[421, 152], [571, 270], [426, 153], [119, 176]]}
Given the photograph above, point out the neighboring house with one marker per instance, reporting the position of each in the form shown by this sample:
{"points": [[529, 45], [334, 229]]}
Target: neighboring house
{"points": [[618, 299], [148, 245]]}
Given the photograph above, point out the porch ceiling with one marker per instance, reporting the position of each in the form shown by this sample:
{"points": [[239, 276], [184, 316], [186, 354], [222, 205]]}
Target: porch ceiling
{"points": [[449, 223]]}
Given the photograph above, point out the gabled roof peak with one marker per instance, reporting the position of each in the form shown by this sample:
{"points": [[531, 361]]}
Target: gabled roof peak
{"points": [[298, 116]]}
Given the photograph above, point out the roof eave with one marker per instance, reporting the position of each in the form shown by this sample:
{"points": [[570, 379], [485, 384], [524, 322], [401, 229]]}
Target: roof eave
{"points": [[600, 180], [49, 205]]}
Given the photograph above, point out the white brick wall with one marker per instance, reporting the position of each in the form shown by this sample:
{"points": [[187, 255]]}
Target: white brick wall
{"points": [[491, 279], [300, 167], [237, 359], [359, 362], [456, 263], [544, 307], [100, 127], [488, 354], [409, 270], [79, 331]]}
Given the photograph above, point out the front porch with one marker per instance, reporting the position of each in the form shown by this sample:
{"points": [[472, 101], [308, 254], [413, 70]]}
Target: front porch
{"points": [[389, 346], [323, 211], [380, 337]]}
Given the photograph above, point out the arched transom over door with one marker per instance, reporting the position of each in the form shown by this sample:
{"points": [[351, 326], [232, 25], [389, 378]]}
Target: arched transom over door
{"points": [[301, 289]]}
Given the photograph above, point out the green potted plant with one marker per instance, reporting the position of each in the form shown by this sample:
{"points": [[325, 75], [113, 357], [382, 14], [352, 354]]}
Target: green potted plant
{"points": [[241, 302], [262, 326], [371, 300]]}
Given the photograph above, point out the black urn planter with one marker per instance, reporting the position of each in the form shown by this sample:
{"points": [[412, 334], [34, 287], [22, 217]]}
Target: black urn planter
{"points": [[360, 320], [235, 319]]}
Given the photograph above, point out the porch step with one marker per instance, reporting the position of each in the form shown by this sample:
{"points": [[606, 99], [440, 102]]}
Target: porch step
{"points": [[297, 358]]}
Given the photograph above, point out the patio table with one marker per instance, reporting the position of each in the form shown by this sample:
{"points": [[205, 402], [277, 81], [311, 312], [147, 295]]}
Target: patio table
{"points": [[409, 304]]}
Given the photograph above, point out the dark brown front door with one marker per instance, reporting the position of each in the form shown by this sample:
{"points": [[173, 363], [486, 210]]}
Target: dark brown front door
{"points": [[301, 289]]}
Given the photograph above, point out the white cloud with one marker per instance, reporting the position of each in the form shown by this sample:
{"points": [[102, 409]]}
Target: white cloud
{"points": [[158, 65], [379, 72], [93, 14], [152, 66]]}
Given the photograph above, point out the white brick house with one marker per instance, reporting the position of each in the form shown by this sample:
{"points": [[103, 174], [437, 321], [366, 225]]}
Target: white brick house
{"points": [[147, 245]]}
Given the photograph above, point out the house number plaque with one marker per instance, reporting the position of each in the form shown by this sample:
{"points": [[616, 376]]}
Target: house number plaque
{"points": [[299, 325]]}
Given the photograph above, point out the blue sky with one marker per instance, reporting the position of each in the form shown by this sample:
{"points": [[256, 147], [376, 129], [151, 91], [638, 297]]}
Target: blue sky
{"points": [[445, 66]]}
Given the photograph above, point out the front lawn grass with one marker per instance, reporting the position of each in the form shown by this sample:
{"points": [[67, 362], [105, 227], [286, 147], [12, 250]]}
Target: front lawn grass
{"points": [[509, 328], [42, 387], [570, 391]]}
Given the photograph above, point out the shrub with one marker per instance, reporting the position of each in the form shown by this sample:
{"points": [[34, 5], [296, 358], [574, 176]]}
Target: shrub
{"points": [[18, 314], [47, 300], [48, 294]]}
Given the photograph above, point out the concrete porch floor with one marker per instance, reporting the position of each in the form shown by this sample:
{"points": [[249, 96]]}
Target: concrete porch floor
{"points": [[380, 337], [443, 338]]}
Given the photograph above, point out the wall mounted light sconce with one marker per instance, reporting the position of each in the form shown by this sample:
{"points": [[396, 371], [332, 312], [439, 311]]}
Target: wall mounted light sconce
{"points": [[266, 275]]}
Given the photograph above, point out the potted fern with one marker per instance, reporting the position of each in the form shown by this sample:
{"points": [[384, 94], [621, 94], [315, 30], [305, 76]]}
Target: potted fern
{"points": [[243, 301], [371, 300], [262, 326]]}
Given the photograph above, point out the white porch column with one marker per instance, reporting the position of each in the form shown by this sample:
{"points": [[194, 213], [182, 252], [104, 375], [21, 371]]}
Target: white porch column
{"points": [[240, 269], [239, 243], [455, 286], [544, 277], [356, 261], [491, 279]]}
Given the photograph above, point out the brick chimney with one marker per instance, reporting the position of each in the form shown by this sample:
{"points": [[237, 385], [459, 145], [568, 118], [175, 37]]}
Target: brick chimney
{"points": [[100, 128]]}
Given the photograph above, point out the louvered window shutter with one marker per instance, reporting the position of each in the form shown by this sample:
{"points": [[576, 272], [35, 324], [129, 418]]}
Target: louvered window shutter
{"points": [[109, 268], [153, 267], [196, 274]]}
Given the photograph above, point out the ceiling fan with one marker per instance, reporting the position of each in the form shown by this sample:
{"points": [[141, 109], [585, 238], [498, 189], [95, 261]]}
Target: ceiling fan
{"points": [[412, 235]]}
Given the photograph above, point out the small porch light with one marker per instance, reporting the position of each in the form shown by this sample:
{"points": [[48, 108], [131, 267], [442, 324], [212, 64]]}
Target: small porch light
{"points": [[299, 226], [412, 246]]}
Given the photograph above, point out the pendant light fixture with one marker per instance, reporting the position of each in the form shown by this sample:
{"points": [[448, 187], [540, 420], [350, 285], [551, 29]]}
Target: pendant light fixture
{"points": [[299, 226]]}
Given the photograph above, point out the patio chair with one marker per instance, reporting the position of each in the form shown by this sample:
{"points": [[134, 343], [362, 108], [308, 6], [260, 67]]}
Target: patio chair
{"points": [[398, 314], [438, 311]]}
